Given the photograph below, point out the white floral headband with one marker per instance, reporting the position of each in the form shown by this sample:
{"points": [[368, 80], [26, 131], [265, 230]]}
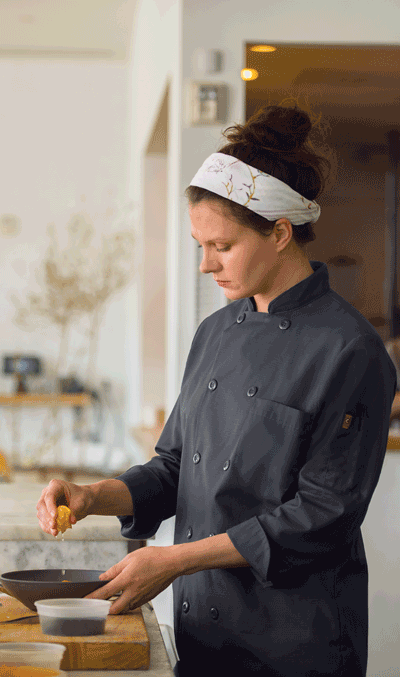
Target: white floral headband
{"points": [[250, 187]]}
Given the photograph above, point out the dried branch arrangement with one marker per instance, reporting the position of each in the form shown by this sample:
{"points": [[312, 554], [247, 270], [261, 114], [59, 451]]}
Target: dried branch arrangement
{"points": [[78, 281]]}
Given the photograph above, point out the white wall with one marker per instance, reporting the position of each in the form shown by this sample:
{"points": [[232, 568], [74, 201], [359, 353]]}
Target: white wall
{"points": [[156, 59], [154, 282], [100, 25], [64, 138], [381, 534]]}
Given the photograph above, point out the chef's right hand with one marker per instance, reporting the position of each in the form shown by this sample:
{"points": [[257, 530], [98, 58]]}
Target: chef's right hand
{"points": [[59, 492]]}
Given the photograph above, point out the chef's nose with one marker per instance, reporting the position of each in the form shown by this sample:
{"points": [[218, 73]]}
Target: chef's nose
{"points": [[209, 264]]}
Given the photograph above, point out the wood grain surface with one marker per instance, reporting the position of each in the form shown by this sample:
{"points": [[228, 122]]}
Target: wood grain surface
{"points": [[124, 645], [45, 400]]}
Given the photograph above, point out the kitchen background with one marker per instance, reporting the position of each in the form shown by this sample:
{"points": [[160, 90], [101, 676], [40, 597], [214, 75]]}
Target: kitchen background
{"points": [[102, 128]]}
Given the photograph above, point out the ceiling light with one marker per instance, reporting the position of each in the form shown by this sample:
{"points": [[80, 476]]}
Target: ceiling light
{"points": [[249, 74], [263, 48]]}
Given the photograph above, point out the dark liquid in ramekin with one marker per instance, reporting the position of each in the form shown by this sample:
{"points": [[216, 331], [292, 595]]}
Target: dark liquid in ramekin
{"points": [[72, 627]]}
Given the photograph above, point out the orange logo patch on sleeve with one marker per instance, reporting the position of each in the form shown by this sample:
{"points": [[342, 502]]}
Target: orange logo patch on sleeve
{"points": [[346, 421]]}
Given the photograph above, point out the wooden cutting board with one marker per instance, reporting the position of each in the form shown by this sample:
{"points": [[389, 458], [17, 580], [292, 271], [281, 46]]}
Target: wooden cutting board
{"points": [[11, 608], [125, 644]]}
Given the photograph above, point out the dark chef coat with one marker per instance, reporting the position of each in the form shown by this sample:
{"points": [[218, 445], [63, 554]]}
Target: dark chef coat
{"points": [[278, 438]]}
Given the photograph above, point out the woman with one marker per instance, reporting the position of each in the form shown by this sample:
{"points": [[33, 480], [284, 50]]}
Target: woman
{"points": [[275, 445]]}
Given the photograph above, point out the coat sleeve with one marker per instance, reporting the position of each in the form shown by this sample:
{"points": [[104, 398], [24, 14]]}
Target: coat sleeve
{"points": [[339, 476]]}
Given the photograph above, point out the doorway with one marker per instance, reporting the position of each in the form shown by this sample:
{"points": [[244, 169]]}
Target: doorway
{"points": [[356, 90]]}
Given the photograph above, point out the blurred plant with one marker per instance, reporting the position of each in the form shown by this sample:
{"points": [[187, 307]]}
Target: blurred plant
{"points": [[78, 281]]}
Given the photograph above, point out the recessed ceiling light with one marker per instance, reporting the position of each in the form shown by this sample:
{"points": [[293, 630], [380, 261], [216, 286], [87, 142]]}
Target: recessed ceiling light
{"points": [[263, 48], [249, 74]]}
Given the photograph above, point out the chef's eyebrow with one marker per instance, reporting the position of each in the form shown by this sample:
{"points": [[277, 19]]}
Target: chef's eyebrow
{"points": [[218, 239]]}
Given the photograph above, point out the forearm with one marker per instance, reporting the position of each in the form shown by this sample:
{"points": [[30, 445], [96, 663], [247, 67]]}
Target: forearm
{"points": [[110, 497], [214, 552]]}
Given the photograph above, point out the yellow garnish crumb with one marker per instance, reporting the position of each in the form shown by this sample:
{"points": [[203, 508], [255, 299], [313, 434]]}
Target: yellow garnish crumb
{"points": [[63, 518]]}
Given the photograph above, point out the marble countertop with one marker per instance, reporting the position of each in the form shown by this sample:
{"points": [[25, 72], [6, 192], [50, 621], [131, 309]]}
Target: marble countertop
{"points": [[18, 520]]}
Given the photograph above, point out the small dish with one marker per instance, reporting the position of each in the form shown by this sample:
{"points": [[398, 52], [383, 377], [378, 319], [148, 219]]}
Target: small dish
{"points": [[73, 616], [36, 659]]}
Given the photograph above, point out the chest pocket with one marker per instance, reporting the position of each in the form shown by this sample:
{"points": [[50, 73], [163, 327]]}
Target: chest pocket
{"points": [[273, 447]]}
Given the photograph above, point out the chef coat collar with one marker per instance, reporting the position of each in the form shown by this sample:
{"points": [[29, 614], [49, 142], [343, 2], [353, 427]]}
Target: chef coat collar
{"points": [[303, 292]]}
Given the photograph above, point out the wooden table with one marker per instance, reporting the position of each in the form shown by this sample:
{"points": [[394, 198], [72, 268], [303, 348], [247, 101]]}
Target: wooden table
{"points": [[46, 400], [52, 401]]}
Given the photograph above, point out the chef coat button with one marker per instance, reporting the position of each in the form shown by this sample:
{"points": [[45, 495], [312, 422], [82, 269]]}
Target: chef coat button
{"points": [[214, 613], [240, 318], [185, 607], [252, 391], [284, 324], [212, 385], [226, 465], [212, 534], [196, 458], [189, 532]]}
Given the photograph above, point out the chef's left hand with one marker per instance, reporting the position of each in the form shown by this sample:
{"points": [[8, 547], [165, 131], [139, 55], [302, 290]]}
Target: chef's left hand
{"points": [[141, 576]]}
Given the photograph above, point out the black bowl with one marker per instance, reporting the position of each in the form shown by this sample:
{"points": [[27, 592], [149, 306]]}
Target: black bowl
{"points": [[34, 584]]}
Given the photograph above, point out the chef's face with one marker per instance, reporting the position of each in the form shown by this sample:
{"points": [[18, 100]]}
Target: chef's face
{"points": [[247, 261]]}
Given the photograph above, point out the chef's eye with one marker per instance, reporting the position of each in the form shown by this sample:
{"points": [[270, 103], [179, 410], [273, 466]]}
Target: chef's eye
{"points": [[225, 249]]}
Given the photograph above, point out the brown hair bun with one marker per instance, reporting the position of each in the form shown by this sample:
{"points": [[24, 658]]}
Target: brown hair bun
{"points": [[273, 128]]}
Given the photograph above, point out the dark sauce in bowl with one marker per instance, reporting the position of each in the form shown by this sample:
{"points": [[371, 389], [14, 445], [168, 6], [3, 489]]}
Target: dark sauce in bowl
{"points": [[72, 627]]}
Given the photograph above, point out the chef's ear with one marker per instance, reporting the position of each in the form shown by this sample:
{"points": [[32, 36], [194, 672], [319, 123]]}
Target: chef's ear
{"points": [[284, 233]]}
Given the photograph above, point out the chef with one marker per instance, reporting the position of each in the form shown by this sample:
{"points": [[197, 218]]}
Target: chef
{"points": [[273, 450]]}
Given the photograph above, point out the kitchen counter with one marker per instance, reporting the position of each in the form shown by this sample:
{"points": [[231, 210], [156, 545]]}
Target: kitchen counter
{"points": [[160, 665], [93, 543]]}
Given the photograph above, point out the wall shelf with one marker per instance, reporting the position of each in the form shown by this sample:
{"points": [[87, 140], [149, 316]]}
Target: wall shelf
{"points": [[52, 401], [45, 400]]}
